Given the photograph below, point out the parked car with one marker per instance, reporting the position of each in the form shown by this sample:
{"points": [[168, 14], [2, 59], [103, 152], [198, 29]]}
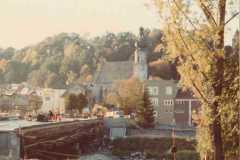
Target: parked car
{"points": [[42, 118], [100, 116]]}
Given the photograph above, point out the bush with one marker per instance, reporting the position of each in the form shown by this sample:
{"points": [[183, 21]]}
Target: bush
{"points": [[151, 153], [187, 154], [120, 153], [154, 147]]}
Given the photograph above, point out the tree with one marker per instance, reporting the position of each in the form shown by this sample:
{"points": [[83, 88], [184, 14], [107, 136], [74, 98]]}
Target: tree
{"points": [[194, 33], [70, 102], [52, 64], [37, 78], [75, 102], [115, 47], [145, 112], [164, 69], [3, 64], [82, 102], [16, 72], [126, 94], [54, 81], [7, 54]]}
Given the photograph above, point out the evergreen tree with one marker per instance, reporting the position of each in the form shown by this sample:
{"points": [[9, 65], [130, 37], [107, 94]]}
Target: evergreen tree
{"points": [[145, 115]]}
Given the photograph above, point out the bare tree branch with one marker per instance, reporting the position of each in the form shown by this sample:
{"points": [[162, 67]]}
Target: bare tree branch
{"points": [[231, 18], [207, 13], [199, 92], [189, 20]]}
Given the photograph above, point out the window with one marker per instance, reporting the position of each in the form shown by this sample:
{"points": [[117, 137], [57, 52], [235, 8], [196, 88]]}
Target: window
{"points": [[180, 101], [168, 109], [153, 91], [154, 101], [168, 102], [168, 90]]}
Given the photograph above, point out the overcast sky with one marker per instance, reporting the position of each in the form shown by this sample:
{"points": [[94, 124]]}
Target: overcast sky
{"points": [[25, 22]]}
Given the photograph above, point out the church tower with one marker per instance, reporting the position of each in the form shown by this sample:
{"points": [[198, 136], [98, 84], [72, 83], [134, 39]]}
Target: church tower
{"points": [[140, 57]]}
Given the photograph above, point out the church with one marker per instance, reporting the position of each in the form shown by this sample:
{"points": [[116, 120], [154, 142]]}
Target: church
{"points": [[162, 92], [110, 72]]}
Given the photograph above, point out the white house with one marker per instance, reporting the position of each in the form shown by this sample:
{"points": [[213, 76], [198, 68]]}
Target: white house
{"points": [[52, 100]]}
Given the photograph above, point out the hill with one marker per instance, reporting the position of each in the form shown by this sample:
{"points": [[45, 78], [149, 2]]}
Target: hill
{"points": [[68, 58]]}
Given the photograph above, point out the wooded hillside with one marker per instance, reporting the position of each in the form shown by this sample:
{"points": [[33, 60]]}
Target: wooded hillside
{"points": [[66, 59]]}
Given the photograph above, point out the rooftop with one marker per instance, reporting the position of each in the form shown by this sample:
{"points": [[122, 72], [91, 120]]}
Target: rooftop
{"points": [[185, 94], [113, 71]]}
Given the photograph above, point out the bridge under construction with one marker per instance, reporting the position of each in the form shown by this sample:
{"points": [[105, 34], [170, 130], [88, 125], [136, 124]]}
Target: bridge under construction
{"points": [[49, 140]]}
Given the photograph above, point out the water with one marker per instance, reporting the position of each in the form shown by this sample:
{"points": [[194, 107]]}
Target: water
{"points": [[98, 156]]}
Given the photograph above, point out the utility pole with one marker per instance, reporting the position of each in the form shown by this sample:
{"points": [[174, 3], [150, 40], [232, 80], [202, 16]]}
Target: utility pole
{"points": [[174, 147]]}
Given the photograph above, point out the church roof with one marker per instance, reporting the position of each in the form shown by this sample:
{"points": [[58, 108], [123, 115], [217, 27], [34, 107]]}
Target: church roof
{"points": [[114, 71]]}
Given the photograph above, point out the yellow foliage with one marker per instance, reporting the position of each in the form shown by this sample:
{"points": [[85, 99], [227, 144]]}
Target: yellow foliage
{"points": [[3, 64]]}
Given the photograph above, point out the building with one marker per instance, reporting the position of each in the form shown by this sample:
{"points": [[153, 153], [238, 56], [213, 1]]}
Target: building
{"points": [[162, 95], [185, 105], [14, 102], [52, 99], [110, 72], [19, 99], [116, 128], [162, 92], [140, 64], [76, 89]]}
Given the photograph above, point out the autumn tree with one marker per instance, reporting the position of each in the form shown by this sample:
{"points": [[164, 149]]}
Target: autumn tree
{"points": [[195, 34], [126, 94], [145, 112], [72, 59]]}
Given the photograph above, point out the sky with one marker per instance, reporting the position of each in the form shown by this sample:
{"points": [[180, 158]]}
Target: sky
{"points": [[26, 22]]}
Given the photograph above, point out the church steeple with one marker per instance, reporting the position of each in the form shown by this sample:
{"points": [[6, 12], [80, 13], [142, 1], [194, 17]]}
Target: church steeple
{"points": [[140, 57]]}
